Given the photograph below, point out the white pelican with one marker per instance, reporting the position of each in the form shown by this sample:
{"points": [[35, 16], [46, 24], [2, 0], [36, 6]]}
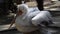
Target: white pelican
{"points": [[28, 18]]}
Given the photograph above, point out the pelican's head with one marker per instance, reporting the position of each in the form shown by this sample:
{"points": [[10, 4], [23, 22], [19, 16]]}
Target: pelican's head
{"points": [[22, 8]]}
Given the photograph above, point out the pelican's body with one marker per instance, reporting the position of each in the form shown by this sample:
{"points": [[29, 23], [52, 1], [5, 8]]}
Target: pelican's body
{"points": [[31, 17]]}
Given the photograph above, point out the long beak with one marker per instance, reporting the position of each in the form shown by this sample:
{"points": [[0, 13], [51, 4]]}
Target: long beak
{"points": [[13, 21]]}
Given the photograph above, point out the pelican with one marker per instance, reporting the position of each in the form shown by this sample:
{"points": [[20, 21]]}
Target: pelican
{"points": [[28, 18]]}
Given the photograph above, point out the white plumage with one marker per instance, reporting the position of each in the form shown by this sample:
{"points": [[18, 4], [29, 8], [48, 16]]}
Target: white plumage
{"points": [[30, 18], [42, 16]]}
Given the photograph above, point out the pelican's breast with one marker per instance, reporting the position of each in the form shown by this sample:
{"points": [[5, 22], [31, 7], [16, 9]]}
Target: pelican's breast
{"points": [[23, 25]]}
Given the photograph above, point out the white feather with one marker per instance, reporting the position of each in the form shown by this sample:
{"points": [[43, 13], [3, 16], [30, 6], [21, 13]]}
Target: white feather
{"points": [[42, 16]]}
